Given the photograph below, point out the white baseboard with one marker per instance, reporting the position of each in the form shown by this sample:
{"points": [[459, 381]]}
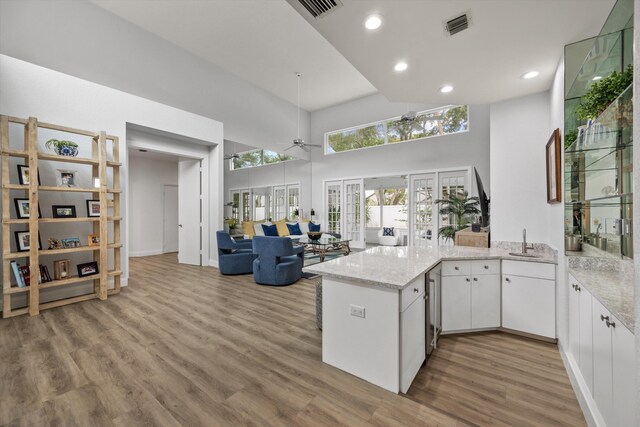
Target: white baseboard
{"points": [[146, 253], [587, 404], [214, 263]]}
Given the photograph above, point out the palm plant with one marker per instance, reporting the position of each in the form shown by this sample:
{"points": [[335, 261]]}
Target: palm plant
{"points": [[460, 208]]}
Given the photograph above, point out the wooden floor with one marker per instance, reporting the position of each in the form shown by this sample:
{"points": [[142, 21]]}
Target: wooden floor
{"points": [[186, 346]]}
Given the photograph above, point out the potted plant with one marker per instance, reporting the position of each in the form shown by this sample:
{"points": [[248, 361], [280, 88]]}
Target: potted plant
{"points": [[460, 208], [232, 223], [62, 148], [602, 93]]}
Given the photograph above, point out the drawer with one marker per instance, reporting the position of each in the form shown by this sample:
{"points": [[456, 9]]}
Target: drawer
{"points": [[411, 293], [485, 266], [456, 268], [529, 269]]}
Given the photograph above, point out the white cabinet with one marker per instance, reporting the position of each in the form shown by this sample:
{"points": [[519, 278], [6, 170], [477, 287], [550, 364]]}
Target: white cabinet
{"points": [[470, 295], [528, 298], [574, 320], [585, 346], [624, 368], [485, 301], [456, 303], [412, 341], [602, 361]]}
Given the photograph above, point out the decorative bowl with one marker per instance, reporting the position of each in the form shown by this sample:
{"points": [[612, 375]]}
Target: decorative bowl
{"points": [[67, 151], [314, 235]]}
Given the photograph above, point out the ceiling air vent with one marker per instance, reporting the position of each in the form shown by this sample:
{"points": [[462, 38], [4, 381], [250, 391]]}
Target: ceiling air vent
{"points": [[318, 8], [455, 25]]}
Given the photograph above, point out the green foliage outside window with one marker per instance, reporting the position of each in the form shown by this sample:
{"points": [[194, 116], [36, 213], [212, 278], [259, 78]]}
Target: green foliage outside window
{"points": [[255, 158]]}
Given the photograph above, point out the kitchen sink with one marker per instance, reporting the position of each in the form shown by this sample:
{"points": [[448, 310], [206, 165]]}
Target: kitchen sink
{"points": [[521, 254]]}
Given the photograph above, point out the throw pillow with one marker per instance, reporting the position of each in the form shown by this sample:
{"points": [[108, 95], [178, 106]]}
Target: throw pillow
{"points": [[314, 227], [270, 230], [283, 230], [294, 229], [387, 231], [247, 229]]}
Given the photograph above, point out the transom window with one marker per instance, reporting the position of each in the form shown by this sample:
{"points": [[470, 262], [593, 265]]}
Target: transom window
{"points": [[253, 158], [437, 122]]}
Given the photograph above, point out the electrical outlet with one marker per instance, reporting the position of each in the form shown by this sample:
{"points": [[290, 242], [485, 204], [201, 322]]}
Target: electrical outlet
{"points": [[357, 311]]}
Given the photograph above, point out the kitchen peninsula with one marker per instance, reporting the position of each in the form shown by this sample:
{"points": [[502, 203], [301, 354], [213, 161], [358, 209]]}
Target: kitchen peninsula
{"points": [[374, 303]]}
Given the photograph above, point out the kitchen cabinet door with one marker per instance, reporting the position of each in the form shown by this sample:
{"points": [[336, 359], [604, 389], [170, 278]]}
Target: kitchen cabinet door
{"points": [[485, 301], [586, 337], [456, 303], [602, 362], [624, 380], [574, 319], [528, 305]]}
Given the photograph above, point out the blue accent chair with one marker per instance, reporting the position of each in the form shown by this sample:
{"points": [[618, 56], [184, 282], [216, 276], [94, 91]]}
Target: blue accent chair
{"points": [[278, 262], [234, 256]]}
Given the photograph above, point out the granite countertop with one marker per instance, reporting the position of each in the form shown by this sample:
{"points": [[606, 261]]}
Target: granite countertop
{"points": [[395, 267], [614, 290]]}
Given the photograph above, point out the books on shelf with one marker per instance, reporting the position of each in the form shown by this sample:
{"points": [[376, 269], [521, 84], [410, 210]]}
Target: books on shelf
{"points": [[17, 274], [22, 274]]}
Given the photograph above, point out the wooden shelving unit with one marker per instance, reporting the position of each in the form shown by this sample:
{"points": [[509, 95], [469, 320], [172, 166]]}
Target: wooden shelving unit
{"points": [[99, 166]]}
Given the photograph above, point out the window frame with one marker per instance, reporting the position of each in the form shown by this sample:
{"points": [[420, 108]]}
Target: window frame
{"points": [[385, 123], [262, 163]]}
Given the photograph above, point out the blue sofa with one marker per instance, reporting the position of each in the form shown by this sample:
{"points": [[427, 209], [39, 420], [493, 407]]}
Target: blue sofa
{"points": [[278, 262], [234, 257]]}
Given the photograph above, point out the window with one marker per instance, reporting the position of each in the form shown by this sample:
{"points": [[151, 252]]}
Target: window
{"points": [[250, 159], [442, 121]]}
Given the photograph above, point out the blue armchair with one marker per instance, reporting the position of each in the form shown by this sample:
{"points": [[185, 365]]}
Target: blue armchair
{"points": [[234, 257], [278, 262]]}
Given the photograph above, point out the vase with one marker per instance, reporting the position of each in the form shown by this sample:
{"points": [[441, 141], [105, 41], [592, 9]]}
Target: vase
{"points": [[67, 151]]}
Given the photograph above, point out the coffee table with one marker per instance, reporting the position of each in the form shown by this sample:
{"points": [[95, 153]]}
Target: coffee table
{"points": [[324, 245]]}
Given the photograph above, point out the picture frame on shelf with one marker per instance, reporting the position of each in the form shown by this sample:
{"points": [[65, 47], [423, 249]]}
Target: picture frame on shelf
{"points": [[22, 208], [554, 183], [66, 178], [23, 175], [54, 243], [64, 211], [93, 240], [88, 269], [93, 208], [71, 242], [61, 269], [23, 241]]}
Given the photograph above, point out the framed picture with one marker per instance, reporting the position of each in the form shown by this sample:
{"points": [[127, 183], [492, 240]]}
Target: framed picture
{"points": [[93, 239], [54, 243], [554, 191], [22, 208], [71, 242], [66, 178], [23, 241], [64, 211], [93, 207], [61, 269], [88, 269], [23, 175]]}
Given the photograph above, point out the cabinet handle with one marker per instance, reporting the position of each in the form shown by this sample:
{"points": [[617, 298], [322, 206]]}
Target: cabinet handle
{"points": [[578, 288], [467, 279], [486, 267], [415, 290], [603, 318], [475, 279], [611, 324], [456, 268], [573, 285], [506, 279]]}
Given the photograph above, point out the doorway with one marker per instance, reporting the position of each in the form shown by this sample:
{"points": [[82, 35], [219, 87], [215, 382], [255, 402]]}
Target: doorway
{"points": [[170, 219]]}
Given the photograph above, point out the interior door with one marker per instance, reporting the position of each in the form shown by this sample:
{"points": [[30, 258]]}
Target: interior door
{"points": [[422, 221], [354, 212], [170, 220], [189, 213]]}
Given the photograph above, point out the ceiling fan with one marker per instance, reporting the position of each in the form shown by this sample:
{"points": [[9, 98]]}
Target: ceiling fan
{"points": [[411, 117], [232, 156], [299, 142]]}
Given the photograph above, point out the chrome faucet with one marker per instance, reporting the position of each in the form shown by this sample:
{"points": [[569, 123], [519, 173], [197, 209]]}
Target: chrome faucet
{"points": [[524, 241]]}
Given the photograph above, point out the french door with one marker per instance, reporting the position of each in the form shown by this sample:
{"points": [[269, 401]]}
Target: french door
{"points": [[422, 221], [279, 202], [354, 212], [333, 197], [293, 202]]}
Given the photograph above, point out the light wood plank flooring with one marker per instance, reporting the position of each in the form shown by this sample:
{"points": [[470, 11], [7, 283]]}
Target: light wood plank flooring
{"points": [[186, 346]]}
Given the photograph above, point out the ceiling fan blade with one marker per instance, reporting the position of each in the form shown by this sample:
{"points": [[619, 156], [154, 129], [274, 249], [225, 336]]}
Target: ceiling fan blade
{"points": [[313, 145], [287, 149]]}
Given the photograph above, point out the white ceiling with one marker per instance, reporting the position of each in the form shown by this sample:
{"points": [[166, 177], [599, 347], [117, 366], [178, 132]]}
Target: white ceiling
{"points": [[484, 63], [262, 41]]}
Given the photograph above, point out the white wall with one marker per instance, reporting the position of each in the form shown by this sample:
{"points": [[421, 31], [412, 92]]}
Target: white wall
{"points": [[53, 97], [636, 194], [520, 129], [147, 178], [94, 44]]}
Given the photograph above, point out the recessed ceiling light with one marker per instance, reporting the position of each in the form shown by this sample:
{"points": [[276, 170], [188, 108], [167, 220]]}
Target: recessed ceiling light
{"points": [[400, 66], [530, 75], [373, 22], [446, 89], [597, 78]]}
